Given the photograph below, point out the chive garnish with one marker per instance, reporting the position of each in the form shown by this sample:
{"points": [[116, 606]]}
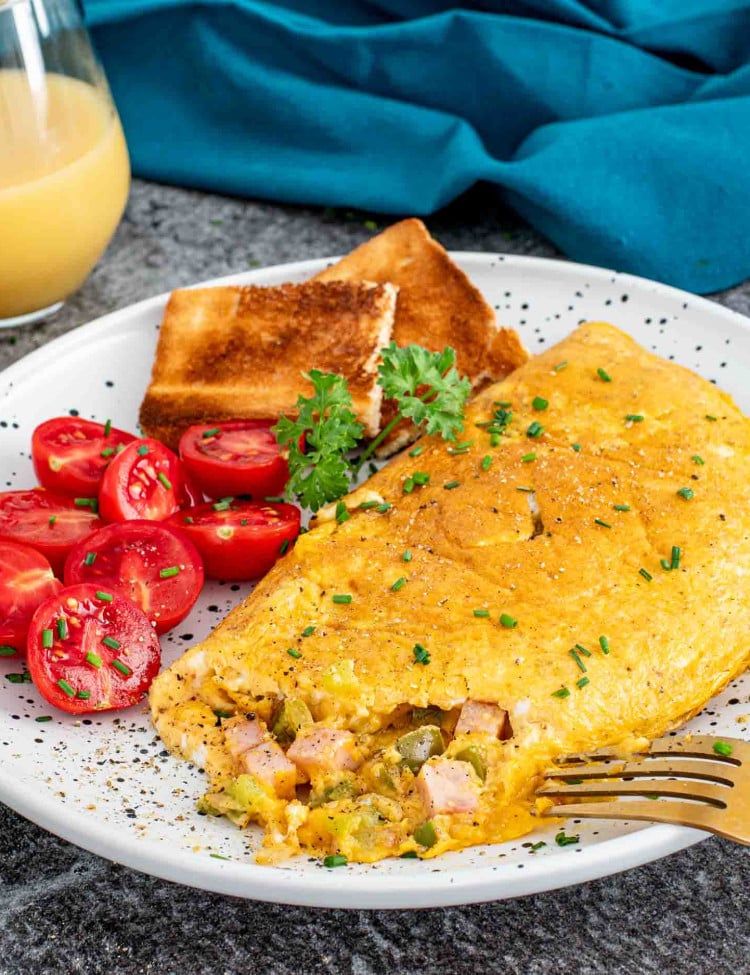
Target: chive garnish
{"points": [[482, 613], [343, 599], [366, 505], [536, 846], [189, 520], [562, 840], [494, 439], [342, 514], [534, 430], [48, 639], [576, 447], [583, 650], [508, 621], [308, 631], [560, 366], [83, 695], [274, 499], [582, 682], [528, 458], [106, 597], [526, 490], [335, 860], [86, 503], [421, 654], [385, 506], [169, 572], [62, 628], [94, 659], [109, 641], [66, 688], [698, 460], [604, 524], [676, 553], [686, 493], [486, 461], [294, 653], [723, 748], [90, 558], [51, 520], [7, 651], [665, 565], [43, 718], [634, 418], [406, 557], [107, 452], [581, 665], [409, 855], [604, 644], [421, 478], [561, 692], [713, 419], [621, 507], [416, 451], [540, 403], [603, 375], [210, 433], [164, 480], [408, 485], [449, 485], [457, 451], [646, 575], [502, 403], [223, 504], [119, 665], [398, 584], [142, 450], [284, 546], [107, 428]]}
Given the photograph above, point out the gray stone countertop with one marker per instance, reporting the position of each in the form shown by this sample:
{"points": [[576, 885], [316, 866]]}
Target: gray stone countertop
{"points": [[63, 910]]}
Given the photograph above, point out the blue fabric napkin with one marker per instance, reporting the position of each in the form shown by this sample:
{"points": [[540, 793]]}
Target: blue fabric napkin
{"points": [[619, 128]]}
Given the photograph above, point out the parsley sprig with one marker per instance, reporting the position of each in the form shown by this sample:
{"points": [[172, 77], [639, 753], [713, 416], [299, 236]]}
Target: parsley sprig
{"points": [[427, 389]]}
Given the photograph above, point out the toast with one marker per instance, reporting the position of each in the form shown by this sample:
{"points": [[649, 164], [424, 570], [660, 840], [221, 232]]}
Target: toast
{"points": [[241, 352], [437, 306]]}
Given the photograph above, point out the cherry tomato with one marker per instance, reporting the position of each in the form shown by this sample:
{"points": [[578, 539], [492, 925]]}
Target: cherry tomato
{"points": [[154, 564], [145, 480], [91, 650], [239, 539], [50, 523], [235, 457], [70, 454], [26, 578]]}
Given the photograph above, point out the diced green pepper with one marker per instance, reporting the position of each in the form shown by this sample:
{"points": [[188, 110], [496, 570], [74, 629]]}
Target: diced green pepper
{"points": [[345, 789], [426, 834], [293, 716], [415, 747], [475, 757]]}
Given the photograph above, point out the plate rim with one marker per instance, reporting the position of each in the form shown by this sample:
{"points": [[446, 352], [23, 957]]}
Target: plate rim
{"points": [[357, 886]]}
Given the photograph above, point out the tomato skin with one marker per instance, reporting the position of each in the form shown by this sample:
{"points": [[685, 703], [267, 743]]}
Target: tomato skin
{"points": [[128, 558], [144, 481], [26, 579], [231, 550], [88, 620], [243, 457], [67, 454], [25, 518]]}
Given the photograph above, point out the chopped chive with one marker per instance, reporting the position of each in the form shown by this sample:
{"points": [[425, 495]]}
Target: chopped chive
{"points": [[62, 628], [243, 522], [109, 641], [528, 458], [274, 499], [408, 485], [421, 478], [86, 503], [119, 665], [534, 430], [107, 428], [416, 451], [51, 520], [646, 575], [582, 682], [537, 846], [449, 485], [398, 584], [560, 366], [90, 558], [7, 651], [308, 631], [409, 855], [562, 840], [210, 433], [576, 447], [385, 506], [508, 621], [698, 460], [526, 490], [294, 653], [676, 553], [581, 665], [562, 692], [66, 688], [665, 565], [502, 403], [686, 493], [604, 524], [164, 480], [224, 504], [218, 856], [342, 514], [621, 507], [343, 599], [486, 461], [189, 520], [107, 452], [494, 440], [335, 860], [540, 403], [457, 451], [713, 419], [603, 375], [83, 695], [604, 644], [48, 639], [406, 557], [106, 597], [119, 448], [634, 418], [284, 546], [464, 443], [482, 613], [421, 654], [169, 572], [142, 450], [43, 718], [366, 505], [94, 659], [723, 748], [581, 649]]}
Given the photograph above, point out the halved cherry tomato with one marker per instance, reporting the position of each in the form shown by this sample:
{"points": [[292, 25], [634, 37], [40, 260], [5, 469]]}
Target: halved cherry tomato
{"points": [[235, 457], [239, 539], [90, 649], [146, 480], [154, 564], [26, 579], [51, 523], [70, 453]]}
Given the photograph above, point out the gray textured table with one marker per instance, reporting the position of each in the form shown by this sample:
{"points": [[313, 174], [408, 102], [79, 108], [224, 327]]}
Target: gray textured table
{"points": [[66, 911]]}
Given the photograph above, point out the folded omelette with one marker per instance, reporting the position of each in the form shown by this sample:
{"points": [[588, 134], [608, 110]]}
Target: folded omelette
{"points": [[572, 574]]}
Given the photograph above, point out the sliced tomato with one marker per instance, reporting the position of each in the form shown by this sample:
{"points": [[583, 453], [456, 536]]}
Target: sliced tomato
{"points": [[235, 457], [26, 579], [70, 454], [146, 481], [91, 649], [239, 539], [51, 523], [154, 564]]}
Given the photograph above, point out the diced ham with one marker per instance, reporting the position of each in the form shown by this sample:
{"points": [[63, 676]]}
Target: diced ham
{"points": [[319, 750], [447, 786], [268, 763], [241, 734], [481, 718]]}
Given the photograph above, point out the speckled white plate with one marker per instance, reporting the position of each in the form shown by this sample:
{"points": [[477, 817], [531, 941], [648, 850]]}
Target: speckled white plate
{"points": [[106, 783]]}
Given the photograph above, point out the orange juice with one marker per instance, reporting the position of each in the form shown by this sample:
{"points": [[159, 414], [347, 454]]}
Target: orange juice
{"points": [[64, 178]]}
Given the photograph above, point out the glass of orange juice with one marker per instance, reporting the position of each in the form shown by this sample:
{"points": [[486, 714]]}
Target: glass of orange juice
{"points": [[64, 168]]}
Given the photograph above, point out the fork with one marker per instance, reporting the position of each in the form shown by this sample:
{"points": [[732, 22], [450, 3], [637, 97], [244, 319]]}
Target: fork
{"points": [[697, 781]]}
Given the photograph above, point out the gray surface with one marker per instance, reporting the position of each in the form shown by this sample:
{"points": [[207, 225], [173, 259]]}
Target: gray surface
{"points": [[65, 911]]}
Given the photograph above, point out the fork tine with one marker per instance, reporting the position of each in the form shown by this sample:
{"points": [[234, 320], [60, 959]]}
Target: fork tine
{"points": [[693, 746], [647, 766], [678, 813], [713, 794]]}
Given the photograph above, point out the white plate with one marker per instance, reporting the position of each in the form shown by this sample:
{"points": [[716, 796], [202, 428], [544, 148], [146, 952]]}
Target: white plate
{"points": [[106, 784]]}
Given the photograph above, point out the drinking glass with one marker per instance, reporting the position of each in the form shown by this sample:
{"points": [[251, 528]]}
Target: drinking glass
{"points": [[64, 168]]}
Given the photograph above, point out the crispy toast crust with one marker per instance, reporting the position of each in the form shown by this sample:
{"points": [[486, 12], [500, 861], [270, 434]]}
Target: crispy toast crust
{"points": [[240, 352]]}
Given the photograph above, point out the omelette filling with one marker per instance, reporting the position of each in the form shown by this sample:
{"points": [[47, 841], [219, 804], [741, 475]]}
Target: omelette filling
{"points": [[414, 786]]}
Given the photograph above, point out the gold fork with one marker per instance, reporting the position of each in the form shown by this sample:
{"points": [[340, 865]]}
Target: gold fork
{"points": [[697, 781]]}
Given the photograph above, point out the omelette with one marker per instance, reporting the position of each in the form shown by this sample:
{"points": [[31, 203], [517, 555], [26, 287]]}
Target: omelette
{"points": [[572, 574]]}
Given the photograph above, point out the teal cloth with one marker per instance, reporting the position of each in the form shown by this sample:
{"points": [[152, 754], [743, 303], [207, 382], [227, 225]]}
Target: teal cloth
{"points": [[618, 128]]}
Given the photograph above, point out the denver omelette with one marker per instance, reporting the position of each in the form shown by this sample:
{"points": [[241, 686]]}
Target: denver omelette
{"points": [[573, 574]]}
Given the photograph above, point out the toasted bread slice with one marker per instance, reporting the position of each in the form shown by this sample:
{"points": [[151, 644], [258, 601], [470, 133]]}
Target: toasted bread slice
{"points": [[235, 353], [437, 306]]}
